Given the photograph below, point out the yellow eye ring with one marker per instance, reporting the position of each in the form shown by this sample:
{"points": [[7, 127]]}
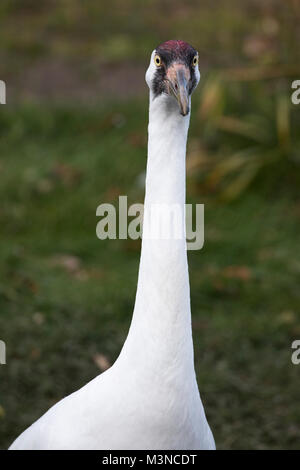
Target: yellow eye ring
{"points": [[195, 60], [157, 60]]}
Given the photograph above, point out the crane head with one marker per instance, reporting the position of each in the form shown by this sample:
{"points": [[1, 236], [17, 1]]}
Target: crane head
{"points": [[174, 72]]}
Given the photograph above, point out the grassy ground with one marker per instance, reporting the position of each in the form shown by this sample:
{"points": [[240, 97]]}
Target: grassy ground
{"points": [[66, 298]]}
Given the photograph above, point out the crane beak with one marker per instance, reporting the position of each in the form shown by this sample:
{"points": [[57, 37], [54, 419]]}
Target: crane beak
{"points": [[178, 76]]}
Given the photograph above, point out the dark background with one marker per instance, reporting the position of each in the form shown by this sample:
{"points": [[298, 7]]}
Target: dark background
{"points": [[73, 134]]}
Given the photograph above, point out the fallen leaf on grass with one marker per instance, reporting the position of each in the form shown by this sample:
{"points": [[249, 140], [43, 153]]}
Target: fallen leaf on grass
{"points": [[101, 361], [66, 174], [286, 317], [38, 318], [73, 266], [137, 140], [70, 263], [35, 353], [31, 285], [113, 192], [45, 186], [237, 272]]}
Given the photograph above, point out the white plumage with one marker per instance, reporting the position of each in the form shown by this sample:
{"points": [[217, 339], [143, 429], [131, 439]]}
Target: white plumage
{"points": [[149, 398]]}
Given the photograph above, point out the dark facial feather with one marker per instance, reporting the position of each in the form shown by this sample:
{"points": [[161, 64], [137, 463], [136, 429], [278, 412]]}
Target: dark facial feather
{"points": [[169, 52]]}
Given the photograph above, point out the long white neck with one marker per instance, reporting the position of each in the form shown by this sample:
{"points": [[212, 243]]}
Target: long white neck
{"points": [[161, 325]]}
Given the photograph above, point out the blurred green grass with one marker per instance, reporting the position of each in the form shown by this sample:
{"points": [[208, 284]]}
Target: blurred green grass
{"points": [[125, 29], [66, 297], [78, 38]]}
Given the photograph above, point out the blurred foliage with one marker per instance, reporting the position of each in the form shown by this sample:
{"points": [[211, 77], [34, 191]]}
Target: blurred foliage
{"points": [[248, 132]]}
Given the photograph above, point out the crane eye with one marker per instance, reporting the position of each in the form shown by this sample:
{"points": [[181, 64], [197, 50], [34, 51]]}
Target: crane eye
{"points": [[195, 60], [157, 60]]}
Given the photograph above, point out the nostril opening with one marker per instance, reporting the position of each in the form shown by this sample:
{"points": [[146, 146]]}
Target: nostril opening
{"points": [[176, 86]]}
